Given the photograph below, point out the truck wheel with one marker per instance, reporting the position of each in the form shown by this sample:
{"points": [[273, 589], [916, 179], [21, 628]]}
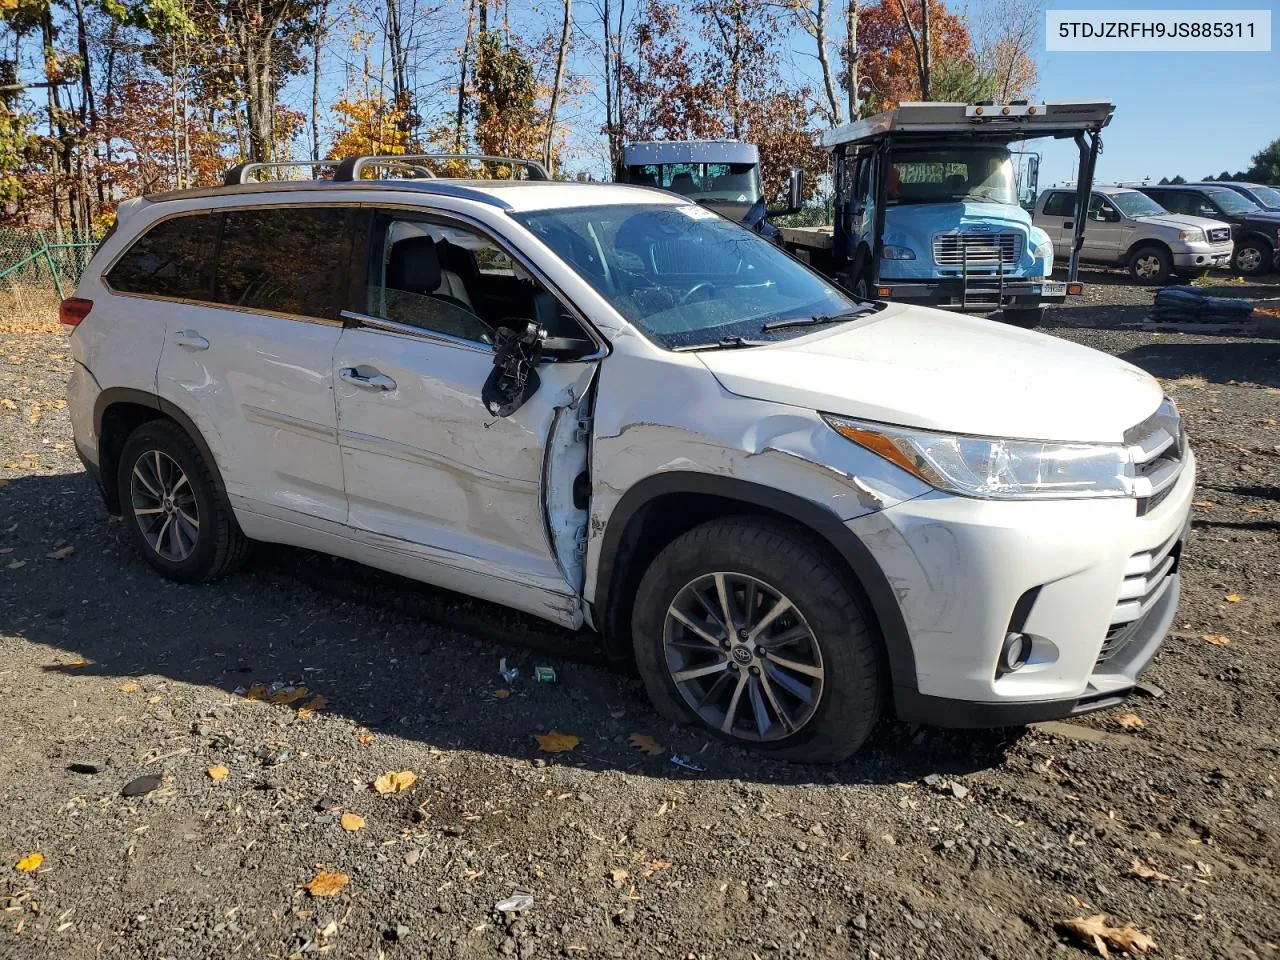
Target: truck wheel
{"points": [[744, 628], [1253, 256], [172, 508], [1150, 265], [1025, 318], [862, 288]]}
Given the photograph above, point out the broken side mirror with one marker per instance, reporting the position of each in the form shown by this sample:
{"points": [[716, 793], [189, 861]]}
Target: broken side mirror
{"points": [[514, 378], [795, 195]]}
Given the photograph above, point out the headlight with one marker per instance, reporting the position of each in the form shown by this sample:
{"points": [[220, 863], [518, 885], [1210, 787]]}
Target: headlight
{"points": [[1194, 235], [994, 469], [898, 253], [1042, 250]]}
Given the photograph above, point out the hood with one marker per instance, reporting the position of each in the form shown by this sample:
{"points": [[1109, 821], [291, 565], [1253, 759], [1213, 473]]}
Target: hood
{"points": [[920, 221], [1183, 221], [918, 367], [1262, 218]]}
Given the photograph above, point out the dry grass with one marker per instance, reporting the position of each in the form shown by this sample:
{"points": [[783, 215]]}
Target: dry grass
{"points": [[28, 309]]}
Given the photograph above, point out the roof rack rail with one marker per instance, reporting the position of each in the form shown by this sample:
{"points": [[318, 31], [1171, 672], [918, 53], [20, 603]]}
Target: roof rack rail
{"points": [[241, 172], [351, 168]]}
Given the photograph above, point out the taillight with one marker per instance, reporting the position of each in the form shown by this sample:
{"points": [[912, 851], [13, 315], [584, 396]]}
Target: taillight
{"points": [[74, 309]]}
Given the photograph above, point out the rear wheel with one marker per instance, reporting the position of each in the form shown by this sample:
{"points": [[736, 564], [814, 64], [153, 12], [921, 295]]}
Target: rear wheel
{"points": [[173, 509], [1253, 256], [744, 628], [1150, 265], [1023, 318]]}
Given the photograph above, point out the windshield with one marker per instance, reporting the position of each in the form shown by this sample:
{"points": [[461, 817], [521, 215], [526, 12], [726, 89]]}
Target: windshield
{"points": [[1269, 196], [1231, 202], [944, 175], [1135, 204], [682, 274], [729, 188]]}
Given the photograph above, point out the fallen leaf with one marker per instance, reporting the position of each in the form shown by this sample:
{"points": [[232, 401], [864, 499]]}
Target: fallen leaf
{"points": [[287, 695], [351, 822], [128, 687], [394, 781], [1095, 932], [556, 742], [8, 404], [618, 876], [1203, 504], [502, 694], [654, 866], [365, 739], [217, 773], [308, 709], [1217, 639], [646, 744], [61, 553], [257, 692], [16, 564], [154, 700], [1233, 598], [326, 884], [30, 863], [1254, 510], [1144, 872], [1130, 721]]}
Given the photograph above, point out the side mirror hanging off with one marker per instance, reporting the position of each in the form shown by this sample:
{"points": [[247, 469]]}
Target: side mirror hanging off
{"points": [[514, 378]]}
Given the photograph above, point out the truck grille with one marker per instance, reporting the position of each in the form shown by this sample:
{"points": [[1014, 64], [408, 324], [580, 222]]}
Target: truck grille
{"points": [[976, 249], [1146, 578], [1219, 234], [1157, 447]]}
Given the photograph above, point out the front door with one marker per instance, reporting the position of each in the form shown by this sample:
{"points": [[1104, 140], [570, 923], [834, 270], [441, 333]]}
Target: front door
{"points": [[428, 469], [1104, 234]]}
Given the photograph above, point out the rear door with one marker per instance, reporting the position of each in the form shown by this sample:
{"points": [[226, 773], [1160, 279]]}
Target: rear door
{"points": [[487, 502], [252, 362]]}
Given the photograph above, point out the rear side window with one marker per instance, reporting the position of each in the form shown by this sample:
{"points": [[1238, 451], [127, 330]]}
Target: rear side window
{"points": [[290, 260], [1060, 204], [172, 259]]}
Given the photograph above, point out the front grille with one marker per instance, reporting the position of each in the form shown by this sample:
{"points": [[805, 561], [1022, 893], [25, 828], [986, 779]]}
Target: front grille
{"points": [[976, 249], [1219, 234], [1146, 577], [1157, 447]]}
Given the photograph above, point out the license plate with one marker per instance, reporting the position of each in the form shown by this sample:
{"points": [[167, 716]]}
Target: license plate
{"points": [[1051, 288]]}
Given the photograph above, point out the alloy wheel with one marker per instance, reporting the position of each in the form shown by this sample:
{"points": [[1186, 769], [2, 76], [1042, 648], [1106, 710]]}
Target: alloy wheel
{"points": [[743, 657], [165, 506], [1147, 267], [1248, 260]]}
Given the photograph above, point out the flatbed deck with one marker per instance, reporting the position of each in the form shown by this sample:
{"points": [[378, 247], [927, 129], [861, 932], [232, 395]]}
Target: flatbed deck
{"points": [[814, 238]]}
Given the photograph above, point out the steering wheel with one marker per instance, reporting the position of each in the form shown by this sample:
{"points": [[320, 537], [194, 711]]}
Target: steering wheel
{"points": [[705, 287]]}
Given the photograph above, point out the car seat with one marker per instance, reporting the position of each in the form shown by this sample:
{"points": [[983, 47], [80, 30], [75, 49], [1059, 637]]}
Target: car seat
{"points": [[414, 266]]}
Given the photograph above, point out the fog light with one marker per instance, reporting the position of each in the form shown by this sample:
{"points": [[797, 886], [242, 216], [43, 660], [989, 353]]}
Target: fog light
{"points": [[1015, 653]]}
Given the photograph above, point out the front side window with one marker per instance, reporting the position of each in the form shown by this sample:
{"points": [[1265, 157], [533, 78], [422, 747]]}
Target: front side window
{"points": [[170, 260], [948, 175], [290, 260], [1135, 204], [1228, 201], [1267, 196], [1099, 209], [684, 276]]}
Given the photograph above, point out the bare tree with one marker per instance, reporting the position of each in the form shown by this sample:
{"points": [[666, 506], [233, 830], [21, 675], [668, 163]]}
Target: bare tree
{"points": [[919, 42], [1005, 41], [851, 55], [812, 15], [559, 79], [460, 116], [317, 38]]}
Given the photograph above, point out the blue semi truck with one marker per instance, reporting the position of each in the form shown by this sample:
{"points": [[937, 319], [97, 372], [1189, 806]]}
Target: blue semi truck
{"points": [[927, 207]]}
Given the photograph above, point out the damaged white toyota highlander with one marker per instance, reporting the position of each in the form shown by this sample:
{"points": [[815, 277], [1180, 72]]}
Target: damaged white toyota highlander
{"points": [[609, 407]]}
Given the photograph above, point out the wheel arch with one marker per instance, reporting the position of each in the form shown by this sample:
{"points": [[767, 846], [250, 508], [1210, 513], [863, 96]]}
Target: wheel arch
{"points": [[1147, 242], [1260, 237], [118, 412], [660, 508]]}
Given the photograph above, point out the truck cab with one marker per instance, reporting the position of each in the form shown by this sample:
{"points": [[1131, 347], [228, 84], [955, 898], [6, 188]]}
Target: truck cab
{"points": [[722, 175], [928, 208]]}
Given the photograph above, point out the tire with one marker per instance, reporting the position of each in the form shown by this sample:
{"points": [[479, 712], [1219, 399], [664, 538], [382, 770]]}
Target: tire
{"points": [[153, 462], [1253, 257], [1150, 265], [776, 561], [862, 288], [1025, 318]]}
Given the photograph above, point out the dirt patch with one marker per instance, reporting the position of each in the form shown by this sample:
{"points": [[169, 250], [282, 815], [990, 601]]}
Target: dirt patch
{"points": [[927, 844]]}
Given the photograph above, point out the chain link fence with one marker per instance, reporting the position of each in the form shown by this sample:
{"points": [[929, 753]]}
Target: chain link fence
{"points": [[32, 259]]}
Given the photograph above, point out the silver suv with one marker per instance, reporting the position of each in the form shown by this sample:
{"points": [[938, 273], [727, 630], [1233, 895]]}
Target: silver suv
{"points": [[1126, 228]]}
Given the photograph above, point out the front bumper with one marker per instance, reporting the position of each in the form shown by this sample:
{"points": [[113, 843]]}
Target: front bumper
{"points": [[983, 294], [1202, 256], [967, 572]]}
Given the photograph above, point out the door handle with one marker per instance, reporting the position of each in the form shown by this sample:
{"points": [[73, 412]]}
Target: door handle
{"points": [[191, 340], [377, 381]]}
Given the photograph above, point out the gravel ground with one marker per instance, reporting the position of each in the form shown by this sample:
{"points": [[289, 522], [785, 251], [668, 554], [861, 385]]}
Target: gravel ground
{"points": [[927, 844]]}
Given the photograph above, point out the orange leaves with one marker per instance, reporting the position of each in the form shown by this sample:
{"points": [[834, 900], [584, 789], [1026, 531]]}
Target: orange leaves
{"points": [[326, 884], [351, 822], [556, 742], [217, 773], [1130, 721], [30, 863], [1217, 639], [369, 124], [1096, 932], [395, 781], [646, 744]]}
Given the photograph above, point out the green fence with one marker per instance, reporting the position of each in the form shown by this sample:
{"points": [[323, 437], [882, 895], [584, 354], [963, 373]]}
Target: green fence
{"points": [[32, 258]]}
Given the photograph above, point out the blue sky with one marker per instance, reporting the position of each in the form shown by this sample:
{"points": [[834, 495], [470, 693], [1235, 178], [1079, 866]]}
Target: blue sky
{"points": [[1190, 113]]}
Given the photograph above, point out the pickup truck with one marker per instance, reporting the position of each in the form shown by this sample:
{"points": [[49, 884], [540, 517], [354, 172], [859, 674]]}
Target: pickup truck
{"points": [[1256, 231], [926, 207], [1126, 228]]}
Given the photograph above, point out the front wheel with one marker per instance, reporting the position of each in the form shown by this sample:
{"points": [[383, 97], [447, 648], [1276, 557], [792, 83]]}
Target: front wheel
{"points": [[744, 628], [1023, 318], [1151, 265], [1253, 257]]}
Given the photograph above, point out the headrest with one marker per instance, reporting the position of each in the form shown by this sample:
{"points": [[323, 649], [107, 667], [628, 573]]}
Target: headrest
{"points": [[414, 266], [683, 183]]}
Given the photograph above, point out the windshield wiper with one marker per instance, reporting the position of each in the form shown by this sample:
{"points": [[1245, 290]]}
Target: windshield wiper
{"points": [[724, 343], [815, 321]]}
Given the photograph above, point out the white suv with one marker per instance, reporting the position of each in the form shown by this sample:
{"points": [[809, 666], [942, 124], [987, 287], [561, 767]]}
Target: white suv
{"points": [[608, 406]]}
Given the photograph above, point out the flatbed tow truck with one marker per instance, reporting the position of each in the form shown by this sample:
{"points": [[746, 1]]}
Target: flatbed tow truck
{"points": [[926, 207]]}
